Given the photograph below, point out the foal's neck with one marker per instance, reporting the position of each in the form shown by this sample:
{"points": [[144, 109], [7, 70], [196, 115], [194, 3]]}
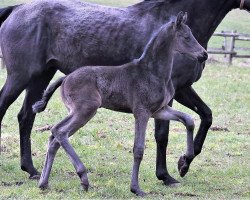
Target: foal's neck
{"points": [[158, 55]]}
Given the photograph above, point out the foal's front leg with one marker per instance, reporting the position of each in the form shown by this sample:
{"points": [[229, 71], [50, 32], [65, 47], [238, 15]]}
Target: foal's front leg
{"points": [[141, 121], [169, 113]]}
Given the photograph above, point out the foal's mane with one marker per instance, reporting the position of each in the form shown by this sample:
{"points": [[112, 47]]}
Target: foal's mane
{"points": [[155, 40]]}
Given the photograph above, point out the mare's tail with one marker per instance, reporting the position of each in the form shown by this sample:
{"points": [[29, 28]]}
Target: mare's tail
{"points": [[40, 106], [5, 12]]}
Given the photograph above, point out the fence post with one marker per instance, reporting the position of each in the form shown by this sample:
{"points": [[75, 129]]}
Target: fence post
{"points": [[224, 46], [231, 48]]}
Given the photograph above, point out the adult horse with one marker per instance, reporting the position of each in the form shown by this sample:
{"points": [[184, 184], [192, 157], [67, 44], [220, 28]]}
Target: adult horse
{"points": [[41, 37]]}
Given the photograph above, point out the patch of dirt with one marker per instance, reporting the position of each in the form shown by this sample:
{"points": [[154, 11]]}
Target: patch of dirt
{"points": [[6, 184], [156, 193], [71, 173], [218, 128], [44, 128], [233, 155], [102, 135], [60, 190], [247, 133], [4, 125], [100, 174], [19, 183], [4, 149], [185, 194]]}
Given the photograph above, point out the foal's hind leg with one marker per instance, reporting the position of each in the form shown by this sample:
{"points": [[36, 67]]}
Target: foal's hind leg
{"points": [[26, 119], [169, 113], [61, 132], [53, 146]]}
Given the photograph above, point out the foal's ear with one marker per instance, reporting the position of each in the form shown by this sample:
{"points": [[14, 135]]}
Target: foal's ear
{"points": [[179, 19], [185, 18]]}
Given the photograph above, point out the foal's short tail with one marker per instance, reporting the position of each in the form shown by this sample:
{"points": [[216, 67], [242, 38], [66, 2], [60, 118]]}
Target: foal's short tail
{"points": [[40, 106]]}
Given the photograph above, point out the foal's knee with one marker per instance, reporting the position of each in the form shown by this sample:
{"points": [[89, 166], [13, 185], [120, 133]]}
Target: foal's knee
{"points": [[189, 122], [57, 134], [81, 170]]}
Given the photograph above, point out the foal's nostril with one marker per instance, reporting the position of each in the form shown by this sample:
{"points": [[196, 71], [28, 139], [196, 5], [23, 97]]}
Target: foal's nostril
{"points": [[203, 57]]}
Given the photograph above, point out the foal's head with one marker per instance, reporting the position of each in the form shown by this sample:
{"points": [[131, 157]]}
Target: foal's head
{"points": [[185, 43], [176, 36]]}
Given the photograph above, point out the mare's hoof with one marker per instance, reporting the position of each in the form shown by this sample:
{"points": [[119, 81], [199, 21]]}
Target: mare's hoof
{"points": [[35, 176], [85, 187], [183, 165], [171, 182], [174, 185]]}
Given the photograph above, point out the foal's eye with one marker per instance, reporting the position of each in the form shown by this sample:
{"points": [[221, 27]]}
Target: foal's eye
{"points": [[187, 37]]}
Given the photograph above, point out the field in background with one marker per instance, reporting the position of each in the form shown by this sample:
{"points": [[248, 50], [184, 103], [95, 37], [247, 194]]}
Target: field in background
{"points": [[105, 143]]}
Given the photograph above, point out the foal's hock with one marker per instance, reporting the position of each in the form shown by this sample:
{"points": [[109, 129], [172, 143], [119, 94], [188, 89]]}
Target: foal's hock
{"points": [[143, 87]]}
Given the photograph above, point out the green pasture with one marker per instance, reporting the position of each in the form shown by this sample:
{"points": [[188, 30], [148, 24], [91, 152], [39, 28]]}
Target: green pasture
{"points": [[221, 171]]}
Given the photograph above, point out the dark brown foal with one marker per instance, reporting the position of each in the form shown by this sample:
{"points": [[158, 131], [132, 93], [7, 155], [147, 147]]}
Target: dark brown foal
{"points": [[143, 87]]}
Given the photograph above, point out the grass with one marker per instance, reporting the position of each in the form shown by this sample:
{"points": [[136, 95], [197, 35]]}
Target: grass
{"points": [[105, 145], [220, 172]]}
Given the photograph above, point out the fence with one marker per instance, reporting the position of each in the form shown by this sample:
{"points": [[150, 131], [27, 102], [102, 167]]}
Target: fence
{"points": [[229, 48]]}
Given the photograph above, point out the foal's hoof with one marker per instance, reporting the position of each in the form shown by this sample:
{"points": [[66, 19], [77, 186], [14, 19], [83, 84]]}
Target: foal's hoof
{"points": [[43, 185], [139, 192], [85, 187], [183, 165]]}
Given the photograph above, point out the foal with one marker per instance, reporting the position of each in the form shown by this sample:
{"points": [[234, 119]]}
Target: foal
{"points": [[143, 87]]}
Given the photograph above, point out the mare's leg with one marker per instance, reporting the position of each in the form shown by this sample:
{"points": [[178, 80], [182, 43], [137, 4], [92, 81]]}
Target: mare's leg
{"points": [[141, 121], [12, 88], [189, 98], [61, 132], [26, 119], [169, 113], [161, 137]]}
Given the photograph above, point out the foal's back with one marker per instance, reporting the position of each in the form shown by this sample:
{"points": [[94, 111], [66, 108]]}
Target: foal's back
{"points": [[111, 86]]}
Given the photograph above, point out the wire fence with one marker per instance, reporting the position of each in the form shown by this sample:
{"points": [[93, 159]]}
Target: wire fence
{"points": [[231, 48]]}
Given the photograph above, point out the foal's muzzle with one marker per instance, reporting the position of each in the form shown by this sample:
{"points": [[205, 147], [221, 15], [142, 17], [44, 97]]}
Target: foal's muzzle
{"points": [[202, 57]]}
